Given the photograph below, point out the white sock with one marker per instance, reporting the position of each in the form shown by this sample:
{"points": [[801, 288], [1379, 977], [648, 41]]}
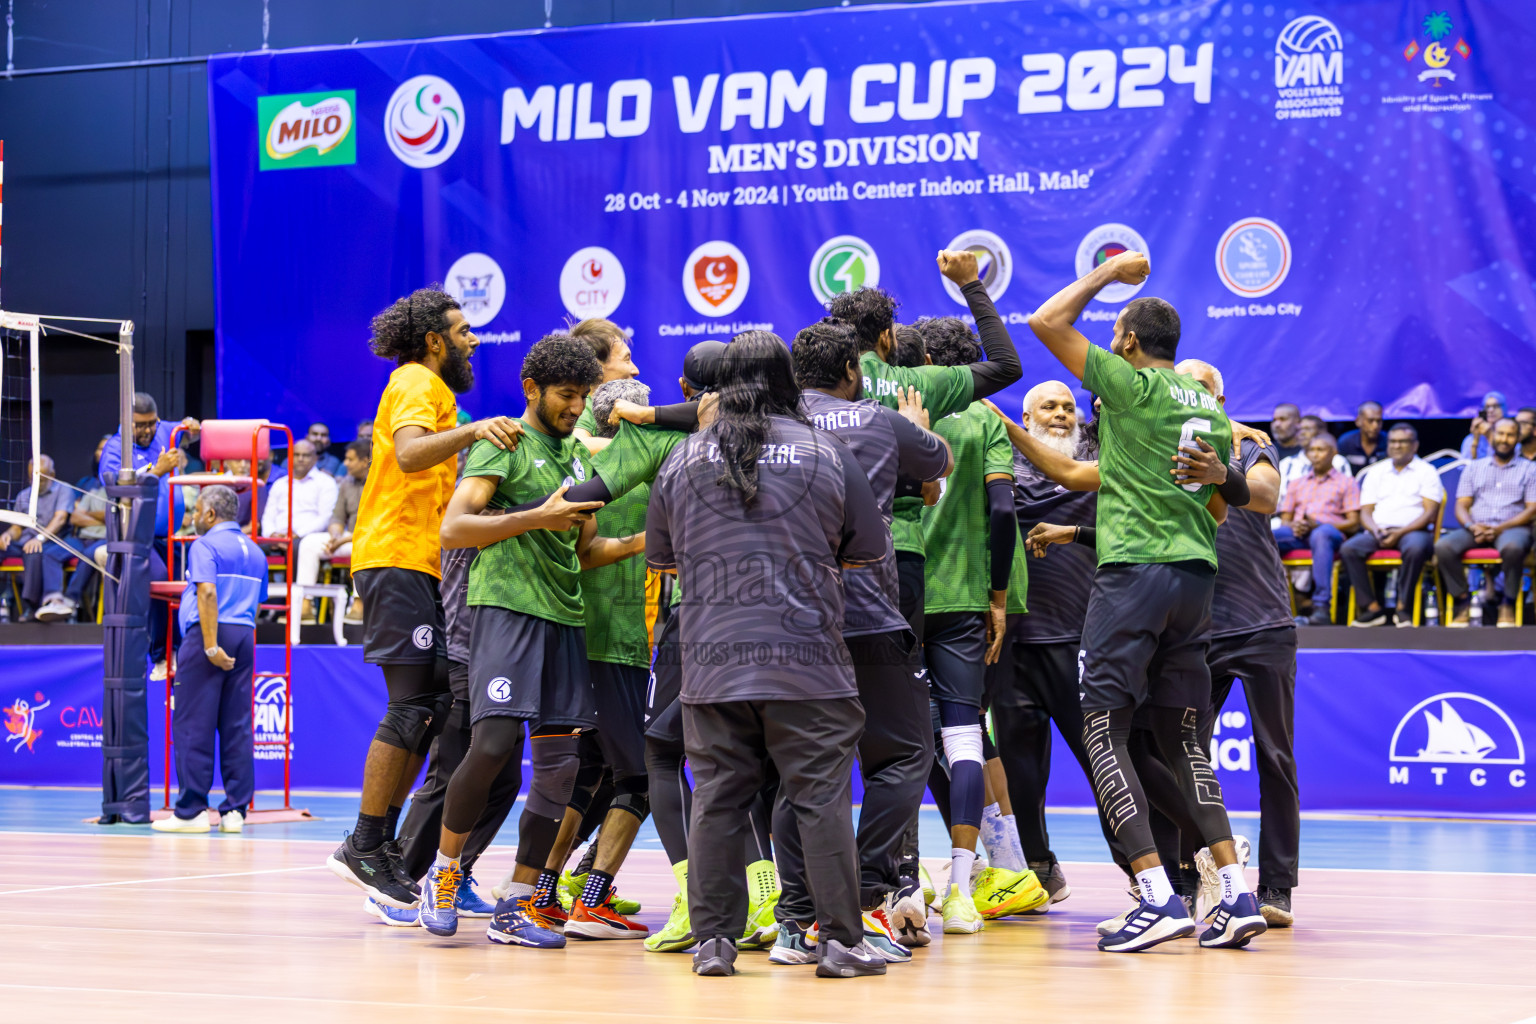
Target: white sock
{"points": [[1011, 828], [1232, 882], [445, 861], [518, 890], [994, 838], [1155, 887], [960, 868]]}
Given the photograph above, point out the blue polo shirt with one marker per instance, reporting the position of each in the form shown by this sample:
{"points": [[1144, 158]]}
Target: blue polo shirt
{"points": [[228, 559], [143, 458]]}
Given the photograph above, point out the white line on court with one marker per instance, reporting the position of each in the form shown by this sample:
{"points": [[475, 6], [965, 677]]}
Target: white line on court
{"points": [[173, 878]]}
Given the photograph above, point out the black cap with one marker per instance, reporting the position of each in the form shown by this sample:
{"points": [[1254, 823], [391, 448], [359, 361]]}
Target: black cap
{"points": [[701, 364]]}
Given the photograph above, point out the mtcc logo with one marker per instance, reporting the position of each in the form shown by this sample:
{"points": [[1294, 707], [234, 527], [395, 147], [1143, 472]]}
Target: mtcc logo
{"points": [[843, 264], [424, 121], [1458, 733]]}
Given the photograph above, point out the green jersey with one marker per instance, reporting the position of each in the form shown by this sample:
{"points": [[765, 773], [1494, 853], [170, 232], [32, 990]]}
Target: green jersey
{"points": [[957, 575], [1018, 576], [630, 461], [586, 421], [1144, 516], [538, 572], [945, 389]]}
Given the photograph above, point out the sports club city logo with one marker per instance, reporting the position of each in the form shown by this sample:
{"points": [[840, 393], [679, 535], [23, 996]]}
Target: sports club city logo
{"points": [[1104, 242], [592, 283], [843, 264], [307, 130], [994, 262], [716, 277], [21, 722], [1452, 731], [1309, 69], [424, 121], [478, 284], [1437, 28], [1253, 257]]}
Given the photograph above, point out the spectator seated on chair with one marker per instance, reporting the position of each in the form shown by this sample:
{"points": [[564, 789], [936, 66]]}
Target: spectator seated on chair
{"points": [[1296, 466], [1285, 430], [1364, 445], [42, 556], [314, 498], [1319, 510], [320, 436], [337, 539], [1495, 503], [1399, 502], [1526, 418], [1476, 444]]}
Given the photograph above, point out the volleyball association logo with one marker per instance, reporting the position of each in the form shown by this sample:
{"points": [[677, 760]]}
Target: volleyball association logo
{"points": [[424, 121], [843, 264]]}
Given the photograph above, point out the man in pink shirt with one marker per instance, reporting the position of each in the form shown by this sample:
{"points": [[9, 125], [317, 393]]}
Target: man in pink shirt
{"points": [[1319, 510]]}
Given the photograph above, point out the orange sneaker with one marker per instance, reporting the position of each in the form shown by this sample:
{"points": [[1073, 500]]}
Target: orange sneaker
{"points": [[552, 917], [602, 922]]}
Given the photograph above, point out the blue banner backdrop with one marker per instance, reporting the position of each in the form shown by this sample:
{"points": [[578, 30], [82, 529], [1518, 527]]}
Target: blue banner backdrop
{"points": [[1393, 732], [1336, 196]]}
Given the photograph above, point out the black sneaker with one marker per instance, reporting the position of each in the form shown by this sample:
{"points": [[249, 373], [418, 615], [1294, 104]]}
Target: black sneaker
{"points": [[1052, 879], [1371, 618], [1320, 616], [397, 865], [836, 960], [1275, 905], [716, 958], [372, 873]]}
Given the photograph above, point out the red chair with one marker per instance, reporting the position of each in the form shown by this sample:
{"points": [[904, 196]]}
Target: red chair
{"points": [[1301, 558]]}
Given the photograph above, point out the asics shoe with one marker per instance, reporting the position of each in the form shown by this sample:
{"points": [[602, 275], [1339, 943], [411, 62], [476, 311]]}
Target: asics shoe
{"points": [[677, 934], [1146, 926], [1210, 879], [439, 900], [879, 937], [840, 961], [960, 914], [715, 959], [517, 923], [908, 914], [795, 944], [602, 922], [1234, 924], [392, 916], [1003, 892], [1275, 905], [469, 903], [371, 872]]}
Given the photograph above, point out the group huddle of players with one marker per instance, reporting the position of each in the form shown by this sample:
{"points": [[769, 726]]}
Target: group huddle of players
{"points": [[833, 581]]}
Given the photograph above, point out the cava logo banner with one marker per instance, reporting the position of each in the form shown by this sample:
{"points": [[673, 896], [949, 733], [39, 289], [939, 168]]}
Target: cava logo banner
{"points": [[1335, 197]]}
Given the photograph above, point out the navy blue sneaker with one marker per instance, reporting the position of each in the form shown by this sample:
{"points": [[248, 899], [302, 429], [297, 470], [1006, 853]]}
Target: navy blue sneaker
{"points": [[1234, 924], [439, 900], [1147, 925], [392, 916], [517, 923], [469, 903]]}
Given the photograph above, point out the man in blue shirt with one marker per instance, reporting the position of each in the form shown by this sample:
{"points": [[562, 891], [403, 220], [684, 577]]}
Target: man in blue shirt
{"points": [[226, 583]]}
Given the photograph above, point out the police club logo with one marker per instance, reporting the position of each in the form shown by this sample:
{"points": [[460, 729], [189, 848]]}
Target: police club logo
{"points": [[592, 283], [1253, 257], [1458, 735], [994, 262], [478, 284], [843, 264], [716, 277], [424, 121], [1309, 69], [1104, 243], [1437, 29]]}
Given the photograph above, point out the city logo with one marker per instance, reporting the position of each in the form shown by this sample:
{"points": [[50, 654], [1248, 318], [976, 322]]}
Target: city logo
{"points": [[994, 263], [843, 264], [1253, 257], [1103, 243], [269, 718], [499, 689], [1437, 28], [307, 130], [1309, 69], [21, 722], [592, 283], [716, 277], [478, 284], [421, 636], [1453, 730], [424, 121]]}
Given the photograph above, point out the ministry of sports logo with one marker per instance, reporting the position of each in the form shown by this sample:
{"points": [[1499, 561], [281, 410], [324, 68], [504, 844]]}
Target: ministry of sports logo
{"points": [[1437, 28], [1309, 69], [1104, 242], [1253, 257], [424, 121], [994, 262], [478, 284], [421, 636], [499, 689], [716, 277], [1458, 729], [592, 283], [843, 264], [307, 130]]}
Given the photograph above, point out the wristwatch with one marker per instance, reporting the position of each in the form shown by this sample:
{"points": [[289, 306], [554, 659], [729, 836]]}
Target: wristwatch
{"points": [[210, 652]]}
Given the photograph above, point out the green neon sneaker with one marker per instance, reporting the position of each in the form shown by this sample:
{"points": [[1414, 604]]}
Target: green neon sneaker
{"points": [[763, 892], [676, 936]]}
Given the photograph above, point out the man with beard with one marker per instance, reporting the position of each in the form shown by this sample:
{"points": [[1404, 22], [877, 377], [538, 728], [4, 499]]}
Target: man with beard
{"points": [[396, 564]]}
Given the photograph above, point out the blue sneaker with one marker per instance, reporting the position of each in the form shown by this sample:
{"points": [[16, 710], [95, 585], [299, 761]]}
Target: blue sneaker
{"points": [[795, 944], [392, 916], [1147, 925], [469, 904], [1234, 924], [439, 913], [516, 923]]}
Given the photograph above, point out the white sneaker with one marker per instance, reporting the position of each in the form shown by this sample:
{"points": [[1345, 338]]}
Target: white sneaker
{"points": [[1117, 922], [58, 609], [159, 672], [1209, 897], [200, 823], [500, 891], [233, 821]]}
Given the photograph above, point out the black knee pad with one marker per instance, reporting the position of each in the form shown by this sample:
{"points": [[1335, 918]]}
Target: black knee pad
{"points": [[435, 727], [632, 794], [555, 764], [408, 720]]}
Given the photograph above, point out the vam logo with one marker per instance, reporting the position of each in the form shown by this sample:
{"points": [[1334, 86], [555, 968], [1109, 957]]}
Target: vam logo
{"points": [[477, 282], [1309, 69], [307, 130], [592, 283], [843, 264], [1458, 729], [424, 121], [269, 718]]}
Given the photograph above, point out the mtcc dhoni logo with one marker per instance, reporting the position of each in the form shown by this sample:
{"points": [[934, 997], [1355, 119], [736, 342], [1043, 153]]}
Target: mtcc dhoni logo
{"points": [[424, 121], [843, 264], [1461, 733]]}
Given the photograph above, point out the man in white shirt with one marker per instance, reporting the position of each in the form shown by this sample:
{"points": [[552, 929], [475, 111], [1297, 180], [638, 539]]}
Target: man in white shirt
{"points": [[1400, 499], [314, 498]]}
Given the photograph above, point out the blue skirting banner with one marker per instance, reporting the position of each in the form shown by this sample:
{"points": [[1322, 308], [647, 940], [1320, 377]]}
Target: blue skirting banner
{"points": [[1394, 732]]}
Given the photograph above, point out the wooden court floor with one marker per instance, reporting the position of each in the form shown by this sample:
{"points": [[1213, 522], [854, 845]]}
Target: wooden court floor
{"points": [[120, 927]]}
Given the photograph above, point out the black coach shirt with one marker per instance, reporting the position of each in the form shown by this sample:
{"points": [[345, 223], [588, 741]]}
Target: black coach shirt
{"points": [[762, 607], [454, 588], [1251, 592], [1058, 583], [886, 445]]}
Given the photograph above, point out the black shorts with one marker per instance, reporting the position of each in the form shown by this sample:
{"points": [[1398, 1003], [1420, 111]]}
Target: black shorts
{"points": [[522, 666], [912, 588], [402, 616], [620, 692], [1146, 635], [663, 710], [955, 650]]}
